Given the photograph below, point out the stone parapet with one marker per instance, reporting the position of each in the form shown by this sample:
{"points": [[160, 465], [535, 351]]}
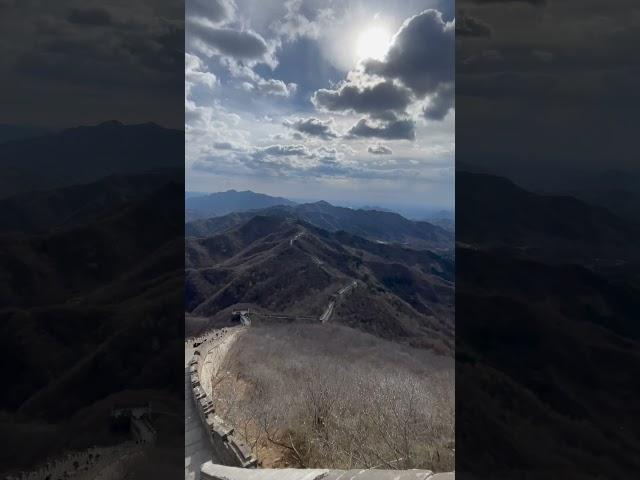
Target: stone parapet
{"points": [[229, 449]]}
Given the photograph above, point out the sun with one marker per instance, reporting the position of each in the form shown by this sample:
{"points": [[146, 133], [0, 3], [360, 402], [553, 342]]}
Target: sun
{"points": [[373, 43]]}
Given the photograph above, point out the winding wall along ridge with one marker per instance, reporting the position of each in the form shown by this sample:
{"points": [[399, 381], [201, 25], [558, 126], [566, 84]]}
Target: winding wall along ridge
{"points": [[228, 448]]}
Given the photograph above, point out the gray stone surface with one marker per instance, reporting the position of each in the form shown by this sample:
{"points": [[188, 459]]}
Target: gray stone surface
{"points": [[211, 471], [197, 449], [220, 472]]}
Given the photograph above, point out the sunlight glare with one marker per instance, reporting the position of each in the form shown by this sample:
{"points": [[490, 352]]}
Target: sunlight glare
{"points": [[373, 43]]}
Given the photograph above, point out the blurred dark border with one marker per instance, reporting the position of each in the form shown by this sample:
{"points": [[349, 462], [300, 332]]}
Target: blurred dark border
{"points": [[92, 237], [548, 229]]}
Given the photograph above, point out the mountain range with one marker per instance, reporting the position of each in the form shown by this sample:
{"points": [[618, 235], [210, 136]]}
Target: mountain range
{"points": [[386, 227], [403, 294], [86, 154], [499, 214], [222, 203], [91, 262], [546, 331]]}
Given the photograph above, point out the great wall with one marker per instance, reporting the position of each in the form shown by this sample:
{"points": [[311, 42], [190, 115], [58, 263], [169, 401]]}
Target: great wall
{"points": [[228, 457], [227, 448]]}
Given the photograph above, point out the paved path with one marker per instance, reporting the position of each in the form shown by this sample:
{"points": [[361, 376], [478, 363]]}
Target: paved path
{"points": [[197, 449]]}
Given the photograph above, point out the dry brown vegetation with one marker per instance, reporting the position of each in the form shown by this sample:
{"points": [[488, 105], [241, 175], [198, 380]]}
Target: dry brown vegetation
{"points": [[330, 396]]}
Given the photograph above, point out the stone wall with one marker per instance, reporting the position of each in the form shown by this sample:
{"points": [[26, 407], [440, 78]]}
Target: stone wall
{"points": [[228, 448]]}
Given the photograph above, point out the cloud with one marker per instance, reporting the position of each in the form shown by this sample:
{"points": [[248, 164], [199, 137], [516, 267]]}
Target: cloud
{"points": [[97, 17], [283, 151], [372, 99], [215, 11], [468, 26], [313, 127], [270, 87], [421, 56], [440, 103], [485, 57], [303, 19], [419, 65], [543, 55], [195, 73], [379, 149], [394, 130], [238, 44], [223, 146]]}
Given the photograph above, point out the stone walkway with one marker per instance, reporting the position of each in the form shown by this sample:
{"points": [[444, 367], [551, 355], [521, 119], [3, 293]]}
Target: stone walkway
{"points": [[196, 444]]}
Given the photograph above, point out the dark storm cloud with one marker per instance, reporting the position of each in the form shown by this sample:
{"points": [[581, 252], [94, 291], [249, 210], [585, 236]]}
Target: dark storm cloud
{"points": [[379, 150], [145, 55], [90, 17], [383, 97], [440, 103], [468, 26], [313, 127], [551, 81], [239, 44], [422, 54], [394, 130], [80, 62], [213, 10]]}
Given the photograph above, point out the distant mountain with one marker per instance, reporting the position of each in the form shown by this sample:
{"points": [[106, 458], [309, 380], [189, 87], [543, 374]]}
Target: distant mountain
{"points": [[20, 132], [188, 194], [623, 202], [373, 207], [500, 214], [375, 225], [43, 210], [615, 190], [404, 294], [447, 223], [223, 203], [86, 154]]}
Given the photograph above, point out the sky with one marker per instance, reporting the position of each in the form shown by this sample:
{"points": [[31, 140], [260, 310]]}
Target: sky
{"points": [[547, 90], [83, 62], [344, 101]]}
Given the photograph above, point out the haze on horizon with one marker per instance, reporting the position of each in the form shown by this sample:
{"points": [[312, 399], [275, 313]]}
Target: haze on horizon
{"points": [[348, 102]]}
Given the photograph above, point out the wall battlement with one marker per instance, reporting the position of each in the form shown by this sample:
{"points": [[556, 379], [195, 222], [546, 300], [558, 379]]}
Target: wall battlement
{"points": [[228, 448]]}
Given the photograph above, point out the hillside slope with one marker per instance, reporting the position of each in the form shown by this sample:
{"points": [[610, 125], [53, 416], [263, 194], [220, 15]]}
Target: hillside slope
{"points": [[375, 225], [403, 294]]}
